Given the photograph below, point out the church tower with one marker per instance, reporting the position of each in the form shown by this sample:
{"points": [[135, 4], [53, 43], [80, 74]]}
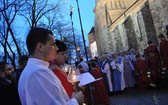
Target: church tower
{"points": [[126, 24], [101, 28], [106, 12]]}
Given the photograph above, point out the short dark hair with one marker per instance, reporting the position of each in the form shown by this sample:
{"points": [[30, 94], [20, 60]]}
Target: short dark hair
{"points": [[150, 42], [35, 36], [93, 64], [61, 45], [23, 59], [161, 36], [137, 56], [2, 66], [81, 59]]}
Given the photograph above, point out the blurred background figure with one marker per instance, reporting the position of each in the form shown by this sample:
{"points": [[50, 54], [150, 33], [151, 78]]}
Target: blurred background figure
{"points": [[128, 70], [56, 64], [84, 65], [107, 74], [81, 70], [98, 86], [22, 63], [141, 74], [164, 51], [8, 92], [155, 69]]}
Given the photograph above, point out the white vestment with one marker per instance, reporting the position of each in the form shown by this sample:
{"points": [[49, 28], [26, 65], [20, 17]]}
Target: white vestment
{"points": [[121, 69], [38, 85], [108, 74]]}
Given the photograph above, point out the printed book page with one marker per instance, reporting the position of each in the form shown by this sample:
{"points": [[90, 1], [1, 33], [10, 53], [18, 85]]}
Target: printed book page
{"points": [[86, 79]]}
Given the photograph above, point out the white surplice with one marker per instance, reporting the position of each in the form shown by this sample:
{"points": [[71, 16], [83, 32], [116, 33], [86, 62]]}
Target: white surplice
{"points": [[106, 70], [39, 86]]}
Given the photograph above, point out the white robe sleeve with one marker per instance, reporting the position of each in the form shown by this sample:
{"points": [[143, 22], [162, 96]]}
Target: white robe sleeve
{"points": [[113, 65], [42, 94]]}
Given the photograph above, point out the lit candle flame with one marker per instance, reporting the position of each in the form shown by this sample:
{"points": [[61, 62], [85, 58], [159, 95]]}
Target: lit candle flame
{"points": [[74, 78], [66, 69], [73, 75]]}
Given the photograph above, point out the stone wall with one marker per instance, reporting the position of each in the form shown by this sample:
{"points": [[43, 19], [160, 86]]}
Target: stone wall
{"points": [[139, 23], [123, 35], [149, 24], [140, 31], [159, 11], [101, 29], [132, 40]]}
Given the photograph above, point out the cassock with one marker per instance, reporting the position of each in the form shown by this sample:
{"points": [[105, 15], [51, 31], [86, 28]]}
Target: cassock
{"points": [[141, 72], [155, 68], [99, 88], [62, 76], [82, 71], [152, 48], [164, 53]]}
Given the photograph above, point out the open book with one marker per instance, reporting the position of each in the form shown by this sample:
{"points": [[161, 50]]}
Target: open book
{"points": [[86, 79]]}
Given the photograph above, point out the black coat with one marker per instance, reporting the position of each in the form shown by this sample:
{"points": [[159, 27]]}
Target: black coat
{"points": [[8, 93]]}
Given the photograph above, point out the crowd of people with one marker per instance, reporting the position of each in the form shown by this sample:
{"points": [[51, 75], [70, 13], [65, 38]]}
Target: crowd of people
{"points": [[127, 69], [37, 83], [40, 80]]}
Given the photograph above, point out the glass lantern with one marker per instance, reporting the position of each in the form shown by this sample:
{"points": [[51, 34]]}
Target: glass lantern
{"points": [[66, 68], [74, 74]]}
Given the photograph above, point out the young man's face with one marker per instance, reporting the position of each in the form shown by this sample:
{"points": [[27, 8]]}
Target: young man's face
{"points": [[49, 50], [61, 57]]}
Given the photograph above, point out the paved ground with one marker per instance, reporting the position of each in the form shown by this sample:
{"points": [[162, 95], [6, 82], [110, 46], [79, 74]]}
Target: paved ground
{"points": [[154, 96]]}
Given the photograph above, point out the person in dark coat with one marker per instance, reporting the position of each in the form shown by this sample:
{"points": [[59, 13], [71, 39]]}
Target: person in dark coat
{"points": [[8, 92]]}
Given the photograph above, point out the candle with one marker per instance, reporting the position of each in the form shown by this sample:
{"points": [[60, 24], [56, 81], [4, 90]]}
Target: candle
{"points": [[73, 75], [66, 69], [74, 78]]}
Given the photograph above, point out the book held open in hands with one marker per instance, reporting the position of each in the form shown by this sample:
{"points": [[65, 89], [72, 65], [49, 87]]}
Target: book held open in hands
{"points": [[86, 79]]}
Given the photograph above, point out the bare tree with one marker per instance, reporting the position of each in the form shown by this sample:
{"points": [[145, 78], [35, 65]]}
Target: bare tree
{"points": [[62, 30], [32, 11], [48, 14], [9, 10], [35, 10]]}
